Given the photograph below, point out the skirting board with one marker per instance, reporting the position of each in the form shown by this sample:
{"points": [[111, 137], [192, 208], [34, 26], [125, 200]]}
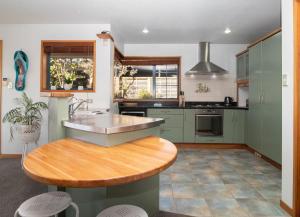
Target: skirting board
{"points": [[286, 208], [2, 156], [210, 146], [275, 164]]}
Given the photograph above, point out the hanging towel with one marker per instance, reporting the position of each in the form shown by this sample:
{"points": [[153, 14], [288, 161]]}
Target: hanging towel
{"points": [[21, 68]]}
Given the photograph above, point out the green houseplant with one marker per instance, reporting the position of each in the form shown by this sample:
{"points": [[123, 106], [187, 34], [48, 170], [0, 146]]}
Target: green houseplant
{"points": [[69, 78], [25, 119]]}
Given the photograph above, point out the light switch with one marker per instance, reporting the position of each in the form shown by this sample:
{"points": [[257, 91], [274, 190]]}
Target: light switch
{"points": [[10, 85], [285, 80]]}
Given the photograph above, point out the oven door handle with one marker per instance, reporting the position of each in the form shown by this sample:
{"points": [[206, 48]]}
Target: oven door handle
{"points": [[216, 115], [133, 112]]}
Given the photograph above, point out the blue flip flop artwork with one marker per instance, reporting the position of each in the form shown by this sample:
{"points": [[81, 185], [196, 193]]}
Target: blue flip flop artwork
{"points": [[21, 68]]}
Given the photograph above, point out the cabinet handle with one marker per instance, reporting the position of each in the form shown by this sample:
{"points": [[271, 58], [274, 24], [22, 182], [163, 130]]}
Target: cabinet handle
{"points": [[262, 99]]}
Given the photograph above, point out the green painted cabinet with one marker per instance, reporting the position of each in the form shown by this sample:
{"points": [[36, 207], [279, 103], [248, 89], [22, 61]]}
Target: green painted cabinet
{"points": [[254, 118], [264, 115], [271, 98], [234, 126], [172, 129], [242, 63], [189, 125]]}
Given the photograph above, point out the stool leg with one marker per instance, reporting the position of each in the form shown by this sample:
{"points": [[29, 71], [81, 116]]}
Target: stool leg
{"points": [[16, 213], [76, 208], [24, 154]]}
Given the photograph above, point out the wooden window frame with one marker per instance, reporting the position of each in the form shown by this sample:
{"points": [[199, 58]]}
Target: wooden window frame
{"points": [[1, 56], [149, 60], [296, 148], [43, 73]]}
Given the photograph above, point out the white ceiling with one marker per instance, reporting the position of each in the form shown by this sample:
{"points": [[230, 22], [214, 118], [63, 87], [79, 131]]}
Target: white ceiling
{"points": [[169, 21]]}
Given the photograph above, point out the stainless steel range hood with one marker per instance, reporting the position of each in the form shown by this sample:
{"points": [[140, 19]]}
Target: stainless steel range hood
{"points": [[205, 67]]}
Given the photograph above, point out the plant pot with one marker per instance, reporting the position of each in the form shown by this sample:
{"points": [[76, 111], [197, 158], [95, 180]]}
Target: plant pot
{"points": [[68, 86], [80, 87], [28, 133]]}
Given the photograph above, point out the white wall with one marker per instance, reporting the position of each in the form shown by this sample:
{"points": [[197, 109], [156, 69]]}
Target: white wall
{"points": [[221, 54], [287, 102], [28, 38]]}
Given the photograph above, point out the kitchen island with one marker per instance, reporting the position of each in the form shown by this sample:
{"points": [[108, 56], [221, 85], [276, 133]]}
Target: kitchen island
{"points": [[98, 177], [104, 160], [109, 129]]}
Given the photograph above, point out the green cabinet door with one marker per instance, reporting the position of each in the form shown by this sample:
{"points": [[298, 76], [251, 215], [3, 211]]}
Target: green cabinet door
{"points": [[271, 101], [172, 129], [228, 126], [247, 65], [234, 126], [242, 66], [239, 127], [189, 126], [254, 119]]}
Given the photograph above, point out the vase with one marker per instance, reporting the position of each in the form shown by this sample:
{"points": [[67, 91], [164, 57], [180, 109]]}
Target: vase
{"points": [[68, 86], [28, 133]]}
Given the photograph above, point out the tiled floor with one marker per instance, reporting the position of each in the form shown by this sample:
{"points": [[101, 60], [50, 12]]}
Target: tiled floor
{"points": [[221, 183]]}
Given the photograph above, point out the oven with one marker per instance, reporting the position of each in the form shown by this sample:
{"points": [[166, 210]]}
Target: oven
{"points": [[133, 111], [209, 122]]}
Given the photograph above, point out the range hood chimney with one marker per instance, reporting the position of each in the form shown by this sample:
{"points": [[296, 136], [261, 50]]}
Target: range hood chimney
{"points": [[205, 67]]}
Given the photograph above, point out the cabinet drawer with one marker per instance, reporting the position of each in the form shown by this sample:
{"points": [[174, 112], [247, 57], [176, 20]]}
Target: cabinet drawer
{"points": [[171, 121], [209, 139], [165, 112], [172, 134]]}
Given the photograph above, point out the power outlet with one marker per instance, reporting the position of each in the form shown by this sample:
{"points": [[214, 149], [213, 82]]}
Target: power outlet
{"points": [[257, 155], [285, 80]]}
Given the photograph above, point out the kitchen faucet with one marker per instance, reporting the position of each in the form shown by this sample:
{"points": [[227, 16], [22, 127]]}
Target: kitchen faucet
{"points": [[72, 109]]}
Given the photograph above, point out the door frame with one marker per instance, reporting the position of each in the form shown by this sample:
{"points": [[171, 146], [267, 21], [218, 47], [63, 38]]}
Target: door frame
{"points": [[1, 65], [296, 148]]}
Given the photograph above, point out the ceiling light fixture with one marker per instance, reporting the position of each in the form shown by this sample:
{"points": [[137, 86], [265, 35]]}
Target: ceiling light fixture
{"points": [[227, 31], [145, 31]]}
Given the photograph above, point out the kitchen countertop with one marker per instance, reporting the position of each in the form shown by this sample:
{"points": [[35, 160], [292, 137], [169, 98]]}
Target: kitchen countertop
{"points": [[97, 166], [108, 123], [187, 107]]}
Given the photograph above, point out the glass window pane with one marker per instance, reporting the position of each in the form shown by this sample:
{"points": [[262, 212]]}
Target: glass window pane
{"points": [[69, 66], [134, 82], [147, 82]]}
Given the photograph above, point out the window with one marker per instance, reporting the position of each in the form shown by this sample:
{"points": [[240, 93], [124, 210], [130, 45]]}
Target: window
{"points": [[68, 66], [148, 78]]}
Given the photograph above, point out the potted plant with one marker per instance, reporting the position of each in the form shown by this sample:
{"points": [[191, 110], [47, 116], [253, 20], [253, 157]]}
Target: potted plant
{"points": [[25, 119], [68, 80]]}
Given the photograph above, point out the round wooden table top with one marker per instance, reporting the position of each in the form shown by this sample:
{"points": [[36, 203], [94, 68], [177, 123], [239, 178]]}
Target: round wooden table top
{"points": [[73, 163]]}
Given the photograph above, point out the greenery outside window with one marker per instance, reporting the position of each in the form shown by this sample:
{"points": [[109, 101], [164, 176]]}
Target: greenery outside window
{"points": [[68, 66], [147, 79]]}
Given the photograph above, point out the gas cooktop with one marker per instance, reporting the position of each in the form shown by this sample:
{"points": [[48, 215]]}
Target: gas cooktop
{"points": [[207, 105]]}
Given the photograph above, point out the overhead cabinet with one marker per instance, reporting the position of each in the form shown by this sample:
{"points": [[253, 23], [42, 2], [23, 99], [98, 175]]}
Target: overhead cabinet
{"points": [[264, 115], [242, 65]]}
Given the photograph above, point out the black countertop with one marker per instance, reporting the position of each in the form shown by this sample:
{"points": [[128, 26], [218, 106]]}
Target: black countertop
{"points": [[189, 105]]}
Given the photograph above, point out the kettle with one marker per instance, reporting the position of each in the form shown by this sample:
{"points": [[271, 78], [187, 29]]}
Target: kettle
{"points": [[228, 101]]}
